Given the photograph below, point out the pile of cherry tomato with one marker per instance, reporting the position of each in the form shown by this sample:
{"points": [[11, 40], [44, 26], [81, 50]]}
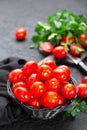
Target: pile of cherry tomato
{"points": [[44, 85], [66, 45]]}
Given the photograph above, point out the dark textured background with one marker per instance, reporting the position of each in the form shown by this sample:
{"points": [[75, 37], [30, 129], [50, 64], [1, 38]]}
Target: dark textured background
{"points": [[26, 13]]}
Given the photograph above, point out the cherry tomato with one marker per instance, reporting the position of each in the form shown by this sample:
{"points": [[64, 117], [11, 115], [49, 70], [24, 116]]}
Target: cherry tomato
{"points": [[16, 75], [59, 52], [30, 67], [50, 63], [84, 79], [49, 99], [37, 89], [21, 33], [83, 38], [61, 100], [65, 39], [35, 102], [68, 91], [53, 85], [66, 70], [46, 47], [32, 78], [44, 72], [20, 92], [62, 73], [19, 84], [82, 90], [75, 49]]}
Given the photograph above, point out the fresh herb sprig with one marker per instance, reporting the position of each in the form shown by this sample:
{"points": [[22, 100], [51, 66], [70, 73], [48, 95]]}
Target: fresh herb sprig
{"points": [[59, 24], [76, 106]]}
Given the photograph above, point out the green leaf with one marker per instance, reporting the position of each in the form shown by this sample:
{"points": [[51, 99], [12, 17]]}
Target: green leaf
{"points": [[74, 112], [36, 38], [52, 36], [60, 24], [34, 45], [41, 27], [57, 24], [83, 106]]}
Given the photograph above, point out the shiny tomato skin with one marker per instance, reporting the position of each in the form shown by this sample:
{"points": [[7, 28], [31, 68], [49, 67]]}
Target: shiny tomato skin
{"points": [[83, 37], [19, 84], [20, 33], [44, 72], [75, 49], [84, 79], [61, 73], [16, 75], [61, 100], [82, 90], [30, 67], [53, 85], [37, 89], [59, 52], [49, 99], [34, 102], [68, 91], [21, 93], [50, 63], [32, 78], [46, 47], [67, 70]]}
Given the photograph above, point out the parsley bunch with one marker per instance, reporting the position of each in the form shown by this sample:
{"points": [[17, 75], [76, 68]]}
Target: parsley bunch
{"points": [[57, 25]]}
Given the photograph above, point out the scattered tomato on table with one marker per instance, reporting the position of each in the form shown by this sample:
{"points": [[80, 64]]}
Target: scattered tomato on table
{"points": [[20, 33], [65, 39], [46, 47], [64, 29], [76, 49], [83, 38], [59, 52]]}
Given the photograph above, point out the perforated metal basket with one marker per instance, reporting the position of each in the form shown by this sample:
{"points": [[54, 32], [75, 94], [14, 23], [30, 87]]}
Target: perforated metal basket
{"points": [[41, 113]]}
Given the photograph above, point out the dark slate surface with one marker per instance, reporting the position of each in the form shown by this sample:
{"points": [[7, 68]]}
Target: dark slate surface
{"points": [[26, 13]]}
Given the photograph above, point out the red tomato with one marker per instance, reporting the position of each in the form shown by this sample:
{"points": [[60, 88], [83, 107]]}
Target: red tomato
{"points": [[16, 75], [53, 85], [50, 63], [82, 90], [30, 67], [19, 84], [68, 91], [20, 92], [65, 39], [46, 47], [83, 38], [21, 33], [62, 73], [61, 100], [37, 89], [75, 49], [66, 70], [84, 79], [50, 99], [32, 78], [59, 52], [35, 102], [44, 72]]}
